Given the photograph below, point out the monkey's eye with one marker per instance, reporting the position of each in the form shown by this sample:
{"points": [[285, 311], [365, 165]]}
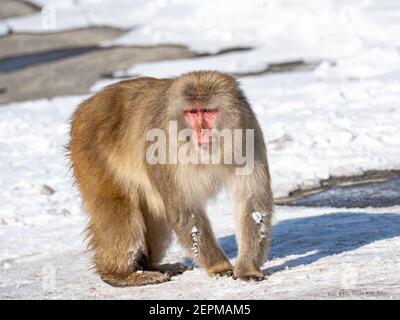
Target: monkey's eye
{"points": [[193, 111], [206, 110]]}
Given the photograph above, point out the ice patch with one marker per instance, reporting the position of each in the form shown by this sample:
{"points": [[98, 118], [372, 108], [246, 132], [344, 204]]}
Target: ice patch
{"points": [[195, 241], [257, 216]]}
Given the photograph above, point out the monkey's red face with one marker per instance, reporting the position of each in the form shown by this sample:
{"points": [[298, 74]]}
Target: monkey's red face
{"points": [[201, 121]]}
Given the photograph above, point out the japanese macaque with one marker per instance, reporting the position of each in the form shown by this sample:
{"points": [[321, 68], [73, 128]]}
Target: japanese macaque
{"points": [[135, 205]]}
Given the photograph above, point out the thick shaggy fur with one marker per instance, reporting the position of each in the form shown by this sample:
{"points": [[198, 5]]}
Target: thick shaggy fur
{"points": [[134, 207]]}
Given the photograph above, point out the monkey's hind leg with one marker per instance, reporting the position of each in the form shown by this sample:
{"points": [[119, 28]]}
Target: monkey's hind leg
{"points": [[117, 236]]}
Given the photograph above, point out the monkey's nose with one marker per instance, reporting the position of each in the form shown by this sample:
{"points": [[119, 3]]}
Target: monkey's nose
{"points": [[199, 119]]}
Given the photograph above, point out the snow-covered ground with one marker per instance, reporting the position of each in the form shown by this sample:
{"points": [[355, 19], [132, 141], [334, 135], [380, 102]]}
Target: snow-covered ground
{"points": [[340, 119], [316, 253]]}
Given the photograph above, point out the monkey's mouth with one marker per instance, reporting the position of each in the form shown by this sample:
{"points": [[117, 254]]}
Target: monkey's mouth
{"points": [[201, 122]]}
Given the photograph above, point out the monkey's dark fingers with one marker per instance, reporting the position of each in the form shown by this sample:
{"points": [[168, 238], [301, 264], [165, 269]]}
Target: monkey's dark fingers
{"points": [[172, 269], [250, 278], [174, 272]]}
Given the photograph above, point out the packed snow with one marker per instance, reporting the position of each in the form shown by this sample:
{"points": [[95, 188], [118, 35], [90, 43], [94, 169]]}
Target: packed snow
{"points": [[315, 254], [338, 118]]}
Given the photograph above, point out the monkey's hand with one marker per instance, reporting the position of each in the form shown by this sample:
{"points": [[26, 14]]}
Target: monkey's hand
{"points": [[221, 269]]}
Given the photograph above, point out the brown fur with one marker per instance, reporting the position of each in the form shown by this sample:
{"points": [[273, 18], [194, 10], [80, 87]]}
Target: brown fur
{"points": [[134, 207]]}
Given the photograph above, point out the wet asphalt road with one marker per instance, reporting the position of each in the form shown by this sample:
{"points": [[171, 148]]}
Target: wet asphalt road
{"points": [[373, 194]]}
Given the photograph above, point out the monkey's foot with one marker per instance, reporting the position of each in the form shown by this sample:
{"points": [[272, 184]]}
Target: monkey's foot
{"points": [[222, 269], [135, 279], [248, 276], [172, 269], [226, 273]]}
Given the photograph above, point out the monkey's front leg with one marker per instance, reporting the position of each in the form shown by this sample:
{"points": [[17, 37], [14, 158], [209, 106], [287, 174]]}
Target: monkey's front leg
{"points": [[195, 234], [254, 222]]}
